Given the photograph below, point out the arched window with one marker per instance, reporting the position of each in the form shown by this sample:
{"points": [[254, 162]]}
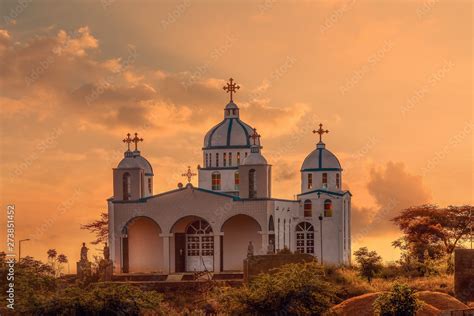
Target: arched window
{"points": [[238, 158], [199, 239], [284, 233], [271, 224], [127, 186], [217, 159], [327, 208], [310, 180], [216, 181], [278, 234], [308, 208], [252, 183], [207, 160], [325, 180], [225, 159], [338, 180], [150, 186], [236, 181], [305, 238], [142, 185], [230, 159]]}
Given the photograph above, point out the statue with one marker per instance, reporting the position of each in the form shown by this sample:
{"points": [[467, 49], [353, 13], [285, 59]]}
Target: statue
{"points": [[271, 247], [106, 266], [84, 252], [250, 249]]}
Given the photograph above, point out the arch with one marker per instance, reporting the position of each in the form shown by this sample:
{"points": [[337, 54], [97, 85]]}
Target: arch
{"points": [[327, 208], [142, 246], [216, 181], [192, 248], [304, 238], [307, 208], [234, 246], [271, 224], [252, 183], [126, 186]]}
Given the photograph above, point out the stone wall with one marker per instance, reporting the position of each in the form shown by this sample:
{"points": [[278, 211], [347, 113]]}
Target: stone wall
{"points": [[265, 263], [464, 274]]}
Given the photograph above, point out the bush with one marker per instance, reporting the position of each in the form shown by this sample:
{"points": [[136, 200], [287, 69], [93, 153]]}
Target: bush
{"points": [[400, 301], [294, 289]]}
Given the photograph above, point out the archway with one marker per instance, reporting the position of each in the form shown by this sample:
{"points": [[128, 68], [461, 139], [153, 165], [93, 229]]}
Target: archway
{"points": [[193, 245], [143, 246], [238, 231]]}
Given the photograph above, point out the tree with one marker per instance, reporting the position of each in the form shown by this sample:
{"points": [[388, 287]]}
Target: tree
{"points": [[400, 301], [294, 289], [369, 261], [436, 227], [100, 228]]}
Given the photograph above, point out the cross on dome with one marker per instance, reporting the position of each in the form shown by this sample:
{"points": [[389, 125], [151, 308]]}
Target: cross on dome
{"points": [[231, 87], [128, 140], [135, 140], [189, 174], [255, 136], [320, 131]]}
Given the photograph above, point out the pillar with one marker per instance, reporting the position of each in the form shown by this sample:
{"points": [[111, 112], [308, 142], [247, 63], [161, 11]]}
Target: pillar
{"points": [[217, 252], [264, 248], [166, 252]]}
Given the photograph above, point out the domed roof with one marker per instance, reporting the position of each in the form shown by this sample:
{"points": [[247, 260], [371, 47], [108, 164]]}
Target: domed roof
{"points": [[255, 159], [321, 158], [134, 160], [231, 132]]}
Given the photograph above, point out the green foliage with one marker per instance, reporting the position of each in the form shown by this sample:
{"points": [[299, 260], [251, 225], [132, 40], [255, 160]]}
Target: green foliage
{"points": [[294, 289], [400, 301], [102, 298], [369, 262]]}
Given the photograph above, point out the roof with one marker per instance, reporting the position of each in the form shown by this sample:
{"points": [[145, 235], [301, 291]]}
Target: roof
{"points": [[321, 159], [342, 193], [134, 160]]}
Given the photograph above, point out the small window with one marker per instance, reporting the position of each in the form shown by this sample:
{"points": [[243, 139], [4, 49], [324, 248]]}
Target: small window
{"points": [[216, 181], [217, 159], [246, 155], [127, 186], [252, 183], [207, 160], [310, 180], [150, 188], [338, 180], [233, 111], [230, 159], [327, 208], [325, 180], [225, 159], [308, 208], [238, 158], [237, 181]]}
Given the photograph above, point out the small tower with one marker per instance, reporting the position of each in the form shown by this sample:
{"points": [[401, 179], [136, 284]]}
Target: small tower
{"points": [[255, 173], [133, 177]]}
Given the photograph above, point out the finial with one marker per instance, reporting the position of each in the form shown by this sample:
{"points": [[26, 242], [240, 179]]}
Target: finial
{"points": [[230, 88], [320, 131], [136, 139], [254, 136], [128, 140], [189, 174]]}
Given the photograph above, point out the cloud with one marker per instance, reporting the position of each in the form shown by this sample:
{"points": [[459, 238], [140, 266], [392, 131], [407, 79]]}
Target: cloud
{"points": [[393, 189]]}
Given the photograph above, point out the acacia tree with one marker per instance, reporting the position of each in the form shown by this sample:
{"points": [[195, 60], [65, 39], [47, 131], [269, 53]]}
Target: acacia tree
{"points": [[435, 226], [100, 228], [369, 261]]}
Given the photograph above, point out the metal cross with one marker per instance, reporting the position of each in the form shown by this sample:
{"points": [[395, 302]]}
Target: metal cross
{"points": [[189, 174], [320, 131], [254, 136], [128, 140], [230, 88], [136, 140]]}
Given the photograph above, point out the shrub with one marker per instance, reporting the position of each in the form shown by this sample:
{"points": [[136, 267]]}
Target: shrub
{"points": [[400, 301], [295, 289]]}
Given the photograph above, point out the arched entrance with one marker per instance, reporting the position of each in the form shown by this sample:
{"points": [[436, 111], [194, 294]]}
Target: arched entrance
{"points": [[305, 238], [238, 231], [142, 246], [193, 245]]}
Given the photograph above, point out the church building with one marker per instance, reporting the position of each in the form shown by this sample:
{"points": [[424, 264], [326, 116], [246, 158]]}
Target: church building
{"points": [[210, 227]]}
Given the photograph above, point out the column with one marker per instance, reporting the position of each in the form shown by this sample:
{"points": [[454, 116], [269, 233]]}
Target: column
{"points": [[263, 250], [166, 252], [217, 252]]}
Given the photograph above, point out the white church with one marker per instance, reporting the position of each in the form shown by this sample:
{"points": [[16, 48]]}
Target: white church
{"points": [[209, 227]]}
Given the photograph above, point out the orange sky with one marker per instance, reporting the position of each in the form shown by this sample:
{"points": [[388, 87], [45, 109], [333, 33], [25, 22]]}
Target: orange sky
{"points": [[391, 80]]}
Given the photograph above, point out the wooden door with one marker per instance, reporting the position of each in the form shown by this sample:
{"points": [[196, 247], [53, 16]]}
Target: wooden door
{"points": [[180, 252]]}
